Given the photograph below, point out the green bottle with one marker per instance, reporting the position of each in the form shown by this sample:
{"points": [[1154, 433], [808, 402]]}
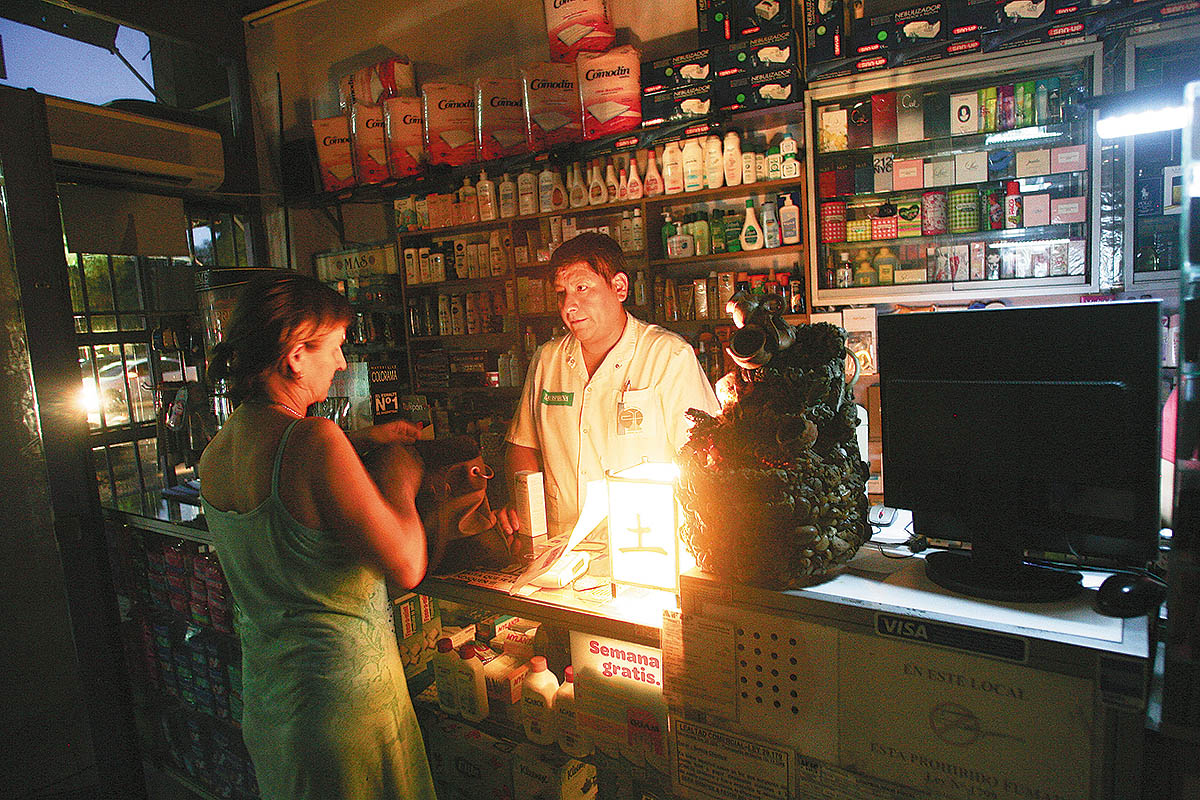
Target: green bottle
{"points": [[733, 232], [716, 229]]}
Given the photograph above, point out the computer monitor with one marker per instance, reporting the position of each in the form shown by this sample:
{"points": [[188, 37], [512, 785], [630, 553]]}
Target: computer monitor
{"points": [[1024, 430]]}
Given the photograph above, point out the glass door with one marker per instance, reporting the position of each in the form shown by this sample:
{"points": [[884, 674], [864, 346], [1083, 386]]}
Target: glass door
{"points": [[936, 183], [1153, 171]]}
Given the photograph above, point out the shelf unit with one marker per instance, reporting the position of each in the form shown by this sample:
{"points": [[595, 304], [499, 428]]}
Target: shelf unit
{"points": [[945, 164]]}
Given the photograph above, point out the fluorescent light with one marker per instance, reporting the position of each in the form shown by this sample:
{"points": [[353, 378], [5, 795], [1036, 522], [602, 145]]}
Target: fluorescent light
{"points": [[1154, 120]]}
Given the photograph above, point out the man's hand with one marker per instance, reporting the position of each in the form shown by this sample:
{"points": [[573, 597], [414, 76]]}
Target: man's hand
{"points": [[367, 439]]}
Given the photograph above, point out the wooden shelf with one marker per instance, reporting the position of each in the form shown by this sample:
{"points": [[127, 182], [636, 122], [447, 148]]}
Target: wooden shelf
{"points": [[788, 249], [742, 190]]}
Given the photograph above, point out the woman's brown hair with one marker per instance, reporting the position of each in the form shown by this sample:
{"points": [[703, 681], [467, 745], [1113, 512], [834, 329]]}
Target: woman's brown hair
{"points": [[273, 314]]}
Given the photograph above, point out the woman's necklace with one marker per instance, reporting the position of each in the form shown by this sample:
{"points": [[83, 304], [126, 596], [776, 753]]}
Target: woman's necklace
{"points": [[283, 405]]}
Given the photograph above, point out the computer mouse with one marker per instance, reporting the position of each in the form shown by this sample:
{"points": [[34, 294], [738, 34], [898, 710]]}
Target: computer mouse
{"points": [[1127, 595]]}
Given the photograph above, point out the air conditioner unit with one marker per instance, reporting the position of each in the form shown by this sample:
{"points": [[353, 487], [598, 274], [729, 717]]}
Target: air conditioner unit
{"points": [[164, 153]]}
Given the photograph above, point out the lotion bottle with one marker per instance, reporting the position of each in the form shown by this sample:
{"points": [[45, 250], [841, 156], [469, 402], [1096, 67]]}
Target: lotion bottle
{"points": [[573, 741], [485, 191], [748, 162], [472, 690], [752, 233], [714, 162], [732, 155], [558, 193], [468, 201], [507, 193], [635, 183], [672, 168], [537, 701], [622, 185], [693, 165], [610, 182], [637, 231], [527, 193], [654, 182], [546, 190], [445, 662], [789, 221]]}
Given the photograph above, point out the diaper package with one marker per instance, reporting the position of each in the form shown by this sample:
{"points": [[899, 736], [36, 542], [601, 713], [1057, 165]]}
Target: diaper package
{"points": [[552, 112], [575, 26], [499, 118], [610, 91], [448, 111], [404, 134]]}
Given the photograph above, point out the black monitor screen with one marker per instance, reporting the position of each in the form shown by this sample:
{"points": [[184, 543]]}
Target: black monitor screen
{"points": [[1024, 429]]}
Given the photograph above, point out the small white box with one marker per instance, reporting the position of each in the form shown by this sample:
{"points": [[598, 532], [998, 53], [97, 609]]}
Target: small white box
{"points": [[544, 774], [964, 113], [970, 167], [1031, 163], [530, 501]]}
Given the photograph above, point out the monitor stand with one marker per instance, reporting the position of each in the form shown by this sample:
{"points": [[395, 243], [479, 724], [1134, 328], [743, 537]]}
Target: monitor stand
{"points": [[997, 571]]}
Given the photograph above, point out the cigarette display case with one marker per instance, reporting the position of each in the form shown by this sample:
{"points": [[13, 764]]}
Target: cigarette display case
{"points": [[937, 183]]}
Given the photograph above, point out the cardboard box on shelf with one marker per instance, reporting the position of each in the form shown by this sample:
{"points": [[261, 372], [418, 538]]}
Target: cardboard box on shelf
{"points": [[467, 763], [824, 32], [543, 774]]}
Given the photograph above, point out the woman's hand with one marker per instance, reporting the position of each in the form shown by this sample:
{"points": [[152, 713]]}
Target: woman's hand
{"points": [[367, 439]]}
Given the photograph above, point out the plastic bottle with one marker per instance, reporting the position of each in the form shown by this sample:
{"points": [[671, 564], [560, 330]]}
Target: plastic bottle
{"points": [[527, 193], [749, 159], [471, 688], [1014, 216], [507, 192], [504, 369], [640, 297], [573, 741], [693, 165], [732, 156], [537, 702], [597, 192], [654, 181], [770, 225], [789, 221], [496, 254], [636, 189], [622, 184], [546, 190], [789, 151], [668, 230], [774, 163], [716, 231], [610, 182], [733, 232], [701, 232], [578, 193], [530, 341], [714, 162], [864, 270], [445, 663], [485, 191], [751, 237], [672, 173], [558, 192], [468, 202], [637, 230]]}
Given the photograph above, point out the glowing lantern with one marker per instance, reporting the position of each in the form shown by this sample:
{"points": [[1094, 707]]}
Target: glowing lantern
{"points": [[643, 539]]}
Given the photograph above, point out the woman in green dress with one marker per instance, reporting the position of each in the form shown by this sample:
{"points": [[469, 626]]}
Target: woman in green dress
{"points": [[307, 539]]}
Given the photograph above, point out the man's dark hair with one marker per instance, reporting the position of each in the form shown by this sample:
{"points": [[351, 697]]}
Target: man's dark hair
{"points": [[599, 252]]}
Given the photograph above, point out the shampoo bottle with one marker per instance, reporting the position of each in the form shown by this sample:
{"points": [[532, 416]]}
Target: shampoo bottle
{"points": [[693, 165], [610, 182], [546, 190], [485, 191], [573, 741], [622, 185], [752, 233], [527, 193], [770, 225], [732, 155], [468, 202], [578, 189], [672, 168], [597, 193], [714, 162], [637, 230], [507, 193], [654, 182], [748, 162], [537, 701]]}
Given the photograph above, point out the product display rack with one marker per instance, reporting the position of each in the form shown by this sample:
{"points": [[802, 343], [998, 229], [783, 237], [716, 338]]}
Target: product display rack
{"points": [[898, 186]]}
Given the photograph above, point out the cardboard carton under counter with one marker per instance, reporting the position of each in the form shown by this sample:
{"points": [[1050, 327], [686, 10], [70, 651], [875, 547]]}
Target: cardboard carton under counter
{"points": [[466, 762], [540, 773]]}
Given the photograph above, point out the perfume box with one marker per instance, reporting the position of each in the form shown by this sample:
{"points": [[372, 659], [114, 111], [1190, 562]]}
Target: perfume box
{"points": [[964, 113], [910, 115], [970, 167], [1036, 210], [883, 118], [1068, 159], [1067, 209], [936, 107], [883, 165], [832, 125], [1033, 162], [940, 171], [908, 173], [858, 129]]}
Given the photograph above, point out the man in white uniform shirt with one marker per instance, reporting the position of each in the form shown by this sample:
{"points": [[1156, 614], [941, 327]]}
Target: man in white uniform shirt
{"points": [[611, 392]]}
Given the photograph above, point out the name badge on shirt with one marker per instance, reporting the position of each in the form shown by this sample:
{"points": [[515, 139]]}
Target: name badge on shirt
{"points": [[557, 398]]}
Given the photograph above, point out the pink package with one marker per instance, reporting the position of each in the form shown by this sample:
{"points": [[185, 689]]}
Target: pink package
{"points": [[610, 91], [552, 113], [448, 111], [404, 135], [575, 26], [371, 85], [366, 139], [499, 118], [336, 162]]}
